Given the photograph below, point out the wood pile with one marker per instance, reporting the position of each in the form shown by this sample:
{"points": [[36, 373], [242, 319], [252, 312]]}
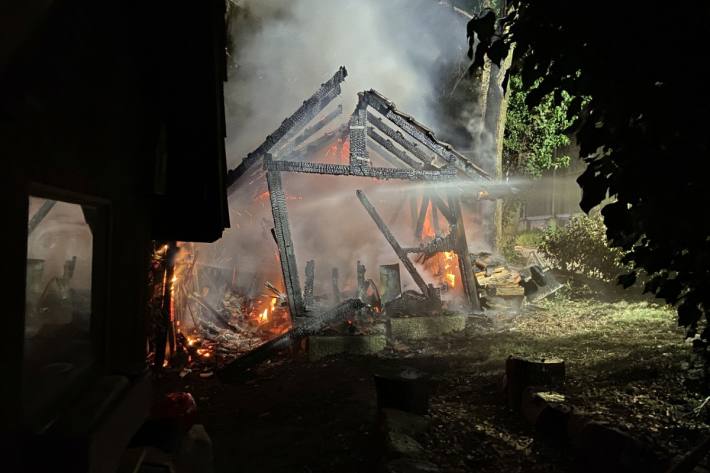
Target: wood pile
{"points": [[497, 279]]}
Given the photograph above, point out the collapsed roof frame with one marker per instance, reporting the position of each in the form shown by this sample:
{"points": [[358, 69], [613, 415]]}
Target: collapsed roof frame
{"points": [[418, 144]]}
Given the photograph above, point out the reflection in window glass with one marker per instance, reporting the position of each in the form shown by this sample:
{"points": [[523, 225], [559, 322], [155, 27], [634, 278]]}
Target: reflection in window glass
{"points": [[58, 302]]}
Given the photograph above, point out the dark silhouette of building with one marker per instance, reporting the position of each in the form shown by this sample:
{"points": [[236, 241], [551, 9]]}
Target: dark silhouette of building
{"points": [[111, 122]]}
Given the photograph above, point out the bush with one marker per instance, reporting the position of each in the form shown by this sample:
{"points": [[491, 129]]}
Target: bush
{"points": [[529, 238], [581, 247]]}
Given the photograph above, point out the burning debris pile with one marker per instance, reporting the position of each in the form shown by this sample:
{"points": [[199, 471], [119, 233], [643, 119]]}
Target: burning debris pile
{"points": [[233, 313]]}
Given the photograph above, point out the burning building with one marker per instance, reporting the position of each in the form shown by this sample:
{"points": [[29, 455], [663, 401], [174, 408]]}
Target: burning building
{"points": [[311, 200]]}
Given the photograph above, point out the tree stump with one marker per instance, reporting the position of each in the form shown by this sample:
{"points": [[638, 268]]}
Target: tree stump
{"points": [[521, 373], [404, 389]]}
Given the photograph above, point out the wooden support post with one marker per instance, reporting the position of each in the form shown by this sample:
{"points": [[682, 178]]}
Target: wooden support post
{"points": [[361, 284], [284, 242], [470, 285], [441, 206], [310, 280]]}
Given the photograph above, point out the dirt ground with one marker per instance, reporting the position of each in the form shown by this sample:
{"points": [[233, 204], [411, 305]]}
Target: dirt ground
{"points": [[624, 365]]}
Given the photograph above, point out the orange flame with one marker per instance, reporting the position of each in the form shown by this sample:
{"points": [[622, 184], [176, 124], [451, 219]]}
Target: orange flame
{"points": [[345, 151], [264, 316], [449, 263]]}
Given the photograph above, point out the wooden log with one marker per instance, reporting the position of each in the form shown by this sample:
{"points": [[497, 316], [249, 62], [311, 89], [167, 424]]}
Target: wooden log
{"points": [[521, 373]]}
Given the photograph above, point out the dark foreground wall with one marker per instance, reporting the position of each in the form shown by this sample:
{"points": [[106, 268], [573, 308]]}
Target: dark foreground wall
{"points": [[118, 107]]}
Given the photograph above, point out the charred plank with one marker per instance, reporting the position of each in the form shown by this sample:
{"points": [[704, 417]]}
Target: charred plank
{"points": [[305, 113]]}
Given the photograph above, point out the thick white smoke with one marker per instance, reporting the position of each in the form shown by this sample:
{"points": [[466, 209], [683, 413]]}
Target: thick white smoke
{"points": [[284, 49]]}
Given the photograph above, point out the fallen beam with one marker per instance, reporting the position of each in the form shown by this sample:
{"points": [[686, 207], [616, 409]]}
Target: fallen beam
{"points": [[361, 171], [393, 243], [300, 118], [310, 326]]}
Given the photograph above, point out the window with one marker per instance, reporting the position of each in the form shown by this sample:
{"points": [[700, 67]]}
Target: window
{"points": [[58, 347]]}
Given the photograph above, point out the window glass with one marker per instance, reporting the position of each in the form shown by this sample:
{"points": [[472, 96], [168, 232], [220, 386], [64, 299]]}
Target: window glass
{"points": [[58, 345]]}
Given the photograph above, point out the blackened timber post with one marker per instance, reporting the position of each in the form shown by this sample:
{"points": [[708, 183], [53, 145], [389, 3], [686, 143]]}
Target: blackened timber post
{"points": [[310, 279], [470, 285], [284, 241], [358, 136]]}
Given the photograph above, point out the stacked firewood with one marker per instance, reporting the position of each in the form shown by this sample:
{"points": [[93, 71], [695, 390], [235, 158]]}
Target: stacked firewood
{"points": [[496, 278]]}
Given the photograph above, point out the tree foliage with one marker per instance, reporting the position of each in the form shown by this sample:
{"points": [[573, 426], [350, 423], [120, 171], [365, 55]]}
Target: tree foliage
{"points": [[645, 143], [533, 134], [581, 246]]}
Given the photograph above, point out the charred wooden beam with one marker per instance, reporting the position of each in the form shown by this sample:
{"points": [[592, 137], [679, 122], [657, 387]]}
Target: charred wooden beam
{"points": [[293, 124], [361, 284], [400, 139], [358, 136], [393, 242], [386, 155], [470, 285], [310, 279], [316, 145], [221, 319], [284, 242], [423, 134], [389, 146], [422, 217], [438, 245], [312, 130], [361, 171], [443, 208], [310, 326]]}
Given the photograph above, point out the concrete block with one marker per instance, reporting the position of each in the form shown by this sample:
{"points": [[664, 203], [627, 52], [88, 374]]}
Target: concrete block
{"points": [[418, 328], [320, 346]]}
